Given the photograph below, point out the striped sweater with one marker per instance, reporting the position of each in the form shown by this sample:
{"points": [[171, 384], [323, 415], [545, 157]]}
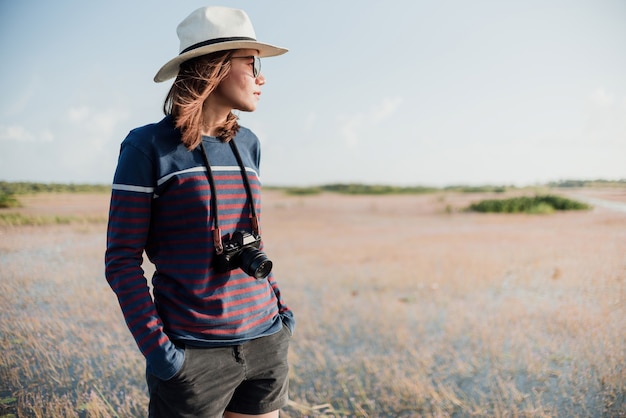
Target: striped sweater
{"points": [[160, 204]]}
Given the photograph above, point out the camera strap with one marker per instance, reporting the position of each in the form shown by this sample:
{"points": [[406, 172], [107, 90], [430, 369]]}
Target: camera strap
{"points": [[217, 233]]}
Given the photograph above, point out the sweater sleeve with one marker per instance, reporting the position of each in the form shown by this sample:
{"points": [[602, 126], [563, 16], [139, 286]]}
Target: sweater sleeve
{"points": [[127, 234], [285, 313]]}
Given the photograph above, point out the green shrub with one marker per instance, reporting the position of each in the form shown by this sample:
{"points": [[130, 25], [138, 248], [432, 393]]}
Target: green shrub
{"points": [[541, 208], [524, 204], [561, 203], [7, 200]]}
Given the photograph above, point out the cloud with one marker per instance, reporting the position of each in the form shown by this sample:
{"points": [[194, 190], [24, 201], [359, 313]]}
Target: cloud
{"points": [[600, 98], [385, 109], [350, 127], [353, 127], [100, 120], [309, 122], [18, 133], [605, 119], [96, 125], [77, 115], [16, 102]]}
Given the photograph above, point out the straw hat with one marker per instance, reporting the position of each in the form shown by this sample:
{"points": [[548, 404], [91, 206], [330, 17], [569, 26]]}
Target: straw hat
{"points": [[212, 29]]}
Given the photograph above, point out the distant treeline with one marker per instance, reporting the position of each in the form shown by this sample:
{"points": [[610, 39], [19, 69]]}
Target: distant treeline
{"points": [[11, 188], [588, 183], [536, 204], [8, 190], [354, 188], [373, 189], [16, 188], [359, 188]]}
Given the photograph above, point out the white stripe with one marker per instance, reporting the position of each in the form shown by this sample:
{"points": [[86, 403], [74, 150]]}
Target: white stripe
{"points": [[130, 188], [232, 168], [189, 170]]}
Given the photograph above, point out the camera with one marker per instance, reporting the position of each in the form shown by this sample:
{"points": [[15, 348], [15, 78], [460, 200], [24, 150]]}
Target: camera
{"points": [[242, 250]]}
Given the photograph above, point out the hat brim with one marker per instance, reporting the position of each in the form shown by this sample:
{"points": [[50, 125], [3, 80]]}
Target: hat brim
{"points": [[170, 69]]}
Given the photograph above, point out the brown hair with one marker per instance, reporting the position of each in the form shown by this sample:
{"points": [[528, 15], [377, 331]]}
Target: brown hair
{"points": [[196, 80]]}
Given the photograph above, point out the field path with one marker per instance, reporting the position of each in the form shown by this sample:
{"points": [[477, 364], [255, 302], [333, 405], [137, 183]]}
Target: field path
{"points": [[607, 204]]}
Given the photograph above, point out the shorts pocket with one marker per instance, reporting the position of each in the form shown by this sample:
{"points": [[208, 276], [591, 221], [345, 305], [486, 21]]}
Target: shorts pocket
{"points": [[179, 376], [287, 330]]}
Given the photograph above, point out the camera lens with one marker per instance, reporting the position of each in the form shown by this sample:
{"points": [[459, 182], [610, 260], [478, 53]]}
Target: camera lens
{"points": [[255, 263]]}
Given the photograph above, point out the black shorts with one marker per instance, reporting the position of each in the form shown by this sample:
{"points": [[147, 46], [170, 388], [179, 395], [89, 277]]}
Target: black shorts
{"points": [[251, 378]]}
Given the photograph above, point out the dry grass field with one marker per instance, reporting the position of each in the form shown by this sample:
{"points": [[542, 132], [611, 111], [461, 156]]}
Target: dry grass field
{"points": [[406, 306]]}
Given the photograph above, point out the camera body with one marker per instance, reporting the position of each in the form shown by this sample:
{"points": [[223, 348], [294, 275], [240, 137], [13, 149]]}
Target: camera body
{"points": [[241, 250]]}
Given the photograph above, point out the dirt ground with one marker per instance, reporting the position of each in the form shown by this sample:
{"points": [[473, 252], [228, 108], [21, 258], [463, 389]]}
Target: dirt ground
{"points": [[486, 314]]}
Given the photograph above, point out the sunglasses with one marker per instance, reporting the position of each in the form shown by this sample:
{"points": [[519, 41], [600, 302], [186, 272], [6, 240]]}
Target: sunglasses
{"points": [[256, 64]]}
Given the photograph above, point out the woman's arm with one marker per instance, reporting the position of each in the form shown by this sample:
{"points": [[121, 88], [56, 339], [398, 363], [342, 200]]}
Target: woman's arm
{"points": [[127, 234]]}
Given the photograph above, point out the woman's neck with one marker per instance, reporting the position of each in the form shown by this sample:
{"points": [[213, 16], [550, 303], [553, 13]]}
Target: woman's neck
{"points": [[213, 118], [208, 129]]}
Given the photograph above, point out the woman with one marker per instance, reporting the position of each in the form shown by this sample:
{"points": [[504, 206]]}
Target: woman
{"points": [[215, 331]]}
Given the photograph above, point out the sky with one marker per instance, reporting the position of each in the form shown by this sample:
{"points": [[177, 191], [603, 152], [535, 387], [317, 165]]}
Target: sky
{"points": [[410, 92]]}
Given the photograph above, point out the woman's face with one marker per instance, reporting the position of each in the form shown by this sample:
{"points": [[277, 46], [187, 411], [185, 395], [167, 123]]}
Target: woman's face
{"points": [[240, 90]]}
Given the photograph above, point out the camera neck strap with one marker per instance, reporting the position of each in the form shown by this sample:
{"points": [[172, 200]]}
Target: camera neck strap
{"points": [[217, 233]]}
